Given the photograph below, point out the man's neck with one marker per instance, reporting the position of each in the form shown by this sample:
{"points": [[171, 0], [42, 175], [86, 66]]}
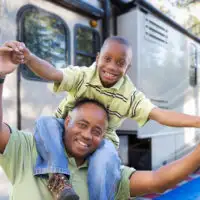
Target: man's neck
{"points": [[79, 161]]}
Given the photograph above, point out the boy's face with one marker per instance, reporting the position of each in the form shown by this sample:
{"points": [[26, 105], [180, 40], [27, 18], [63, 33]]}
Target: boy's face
{"points": [[113, 62]]}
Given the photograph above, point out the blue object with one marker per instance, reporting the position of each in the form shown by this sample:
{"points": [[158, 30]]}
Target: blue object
{"points": [[187, 191]]}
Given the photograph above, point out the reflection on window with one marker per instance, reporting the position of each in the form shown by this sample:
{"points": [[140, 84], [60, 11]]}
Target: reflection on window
{"points": [[46, 35], [87, 44]]}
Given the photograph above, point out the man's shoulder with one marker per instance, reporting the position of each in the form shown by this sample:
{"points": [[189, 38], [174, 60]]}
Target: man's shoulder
{"points": [[22, 137]]}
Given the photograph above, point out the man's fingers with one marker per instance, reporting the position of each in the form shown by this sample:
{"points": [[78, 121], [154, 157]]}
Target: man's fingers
{"points": [[5, 48], [15, 45], [17, 57]]}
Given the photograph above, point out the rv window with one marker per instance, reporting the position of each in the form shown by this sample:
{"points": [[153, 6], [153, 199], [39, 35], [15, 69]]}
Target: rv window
{"points": [[87, 44], [193, 55], [46, 35]]}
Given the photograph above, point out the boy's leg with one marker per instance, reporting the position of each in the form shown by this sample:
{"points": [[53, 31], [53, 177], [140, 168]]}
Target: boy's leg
{"points": [[49, 142], [104, 172], [51, 157]]}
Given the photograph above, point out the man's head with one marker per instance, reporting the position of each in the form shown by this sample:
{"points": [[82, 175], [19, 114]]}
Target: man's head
{"points": [[113, 60], [84, 128]]}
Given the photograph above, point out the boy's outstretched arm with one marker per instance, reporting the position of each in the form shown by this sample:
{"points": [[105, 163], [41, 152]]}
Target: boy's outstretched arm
{"points": [[166, 177], [175, 119], [39, 66]]}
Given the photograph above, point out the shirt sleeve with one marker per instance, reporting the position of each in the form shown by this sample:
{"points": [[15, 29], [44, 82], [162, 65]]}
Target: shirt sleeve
{"points": [[140, 108], [13, 159], [123, 192], [71, 78]]}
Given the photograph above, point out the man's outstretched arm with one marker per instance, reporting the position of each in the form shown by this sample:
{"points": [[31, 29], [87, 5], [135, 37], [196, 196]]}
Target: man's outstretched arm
{"points": [[4, 130], [6, 66], [166, 177]]}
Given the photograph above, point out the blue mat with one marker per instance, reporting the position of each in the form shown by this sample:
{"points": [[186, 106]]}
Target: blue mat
{"points": [[188, 191]]}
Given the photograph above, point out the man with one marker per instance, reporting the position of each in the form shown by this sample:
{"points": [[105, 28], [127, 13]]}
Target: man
{"points": [[84, 130]]}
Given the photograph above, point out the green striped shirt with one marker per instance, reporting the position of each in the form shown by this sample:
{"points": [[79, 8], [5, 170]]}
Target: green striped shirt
{"points": [[122, 100]]}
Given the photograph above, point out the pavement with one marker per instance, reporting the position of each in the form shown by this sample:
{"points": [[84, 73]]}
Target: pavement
{"points": [[4, 186]]}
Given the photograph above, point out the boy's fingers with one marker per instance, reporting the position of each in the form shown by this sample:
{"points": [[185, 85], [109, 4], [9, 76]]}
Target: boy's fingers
{"points": [[21, 46]]}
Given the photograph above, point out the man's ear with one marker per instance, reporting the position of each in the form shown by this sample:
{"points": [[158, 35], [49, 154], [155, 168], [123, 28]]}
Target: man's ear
{"points": [[67, 120]]}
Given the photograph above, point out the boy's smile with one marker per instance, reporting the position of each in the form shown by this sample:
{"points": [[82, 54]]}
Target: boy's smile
{"points": [[113, 62]]}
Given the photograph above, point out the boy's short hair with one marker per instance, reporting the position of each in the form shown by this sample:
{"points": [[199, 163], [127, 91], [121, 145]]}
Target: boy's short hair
{"points": [[119, 39]]}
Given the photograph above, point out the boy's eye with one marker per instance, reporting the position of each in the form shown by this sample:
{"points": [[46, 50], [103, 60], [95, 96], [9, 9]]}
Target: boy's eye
{"points": [[107, 59], [121, 63]]}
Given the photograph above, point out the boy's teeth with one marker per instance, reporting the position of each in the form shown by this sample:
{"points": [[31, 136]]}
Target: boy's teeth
{"points": [[108, 74]]}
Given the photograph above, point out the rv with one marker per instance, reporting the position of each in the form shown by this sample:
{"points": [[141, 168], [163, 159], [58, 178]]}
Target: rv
{"points": [[164, 66]]}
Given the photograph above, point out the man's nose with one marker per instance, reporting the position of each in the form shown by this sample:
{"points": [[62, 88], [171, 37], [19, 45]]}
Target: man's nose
{"points": [[87, 134]]}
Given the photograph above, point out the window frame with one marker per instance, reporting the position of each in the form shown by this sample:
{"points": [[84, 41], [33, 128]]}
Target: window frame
{"points": [[20, 36], [78, 52]]}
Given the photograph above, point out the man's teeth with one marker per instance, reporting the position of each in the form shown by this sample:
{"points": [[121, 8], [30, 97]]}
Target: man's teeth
{"points": [[109, 75], [82, 143]]}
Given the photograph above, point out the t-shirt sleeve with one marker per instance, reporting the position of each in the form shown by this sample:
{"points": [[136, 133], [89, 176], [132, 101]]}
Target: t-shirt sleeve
{"points": [[140, 108], [13, 159], [71, 78], [123, 192]]}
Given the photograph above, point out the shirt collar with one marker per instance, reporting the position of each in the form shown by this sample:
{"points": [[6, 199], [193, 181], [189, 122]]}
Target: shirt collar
{"points": [[96, 79], [72, 161]]}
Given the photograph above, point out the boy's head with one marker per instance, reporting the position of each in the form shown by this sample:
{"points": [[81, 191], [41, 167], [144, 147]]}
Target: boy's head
{"points": [[84, 128], [113, 60]]}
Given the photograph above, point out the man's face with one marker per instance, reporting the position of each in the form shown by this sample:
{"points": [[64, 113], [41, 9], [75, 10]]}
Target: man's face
{"points": [[84, 130], [113, 62]]}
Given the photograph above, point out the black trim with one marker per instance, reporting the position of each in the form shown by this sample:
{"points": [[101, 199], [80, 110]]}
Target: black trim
{"points": [[20, 34], [126, 132], [106, 19], [81, 7]]}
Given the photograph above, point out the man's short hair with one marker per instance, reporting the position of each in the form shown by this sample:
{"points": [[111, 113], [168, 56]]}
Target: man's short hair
{"points": [[84, 101]]}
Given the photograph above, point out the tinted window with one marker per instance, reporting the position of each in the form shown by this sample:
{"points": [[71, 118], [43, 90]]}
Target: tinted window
{"points": [[87, 44], [46, 35]]}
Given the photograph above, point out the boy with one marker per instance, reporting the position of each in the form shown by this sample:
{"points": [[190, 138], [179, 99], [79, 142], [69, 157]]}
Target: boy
{"points": [[105, 80]]}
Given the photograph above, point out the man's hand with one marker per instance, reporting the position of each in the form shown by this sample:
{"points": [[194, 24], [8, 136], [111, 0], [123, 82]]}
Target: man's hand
{"points": [[10, 57]]}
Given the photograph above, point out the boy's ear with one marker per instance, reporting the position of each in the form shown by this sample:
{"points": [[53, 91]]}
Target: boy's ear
{"points": [[97, 57], [129, 66]]}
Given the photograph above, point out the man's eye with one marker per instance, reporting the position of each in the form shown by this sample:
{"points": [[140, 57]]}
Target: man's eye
{"points": [[96, 133], [81, 125]]}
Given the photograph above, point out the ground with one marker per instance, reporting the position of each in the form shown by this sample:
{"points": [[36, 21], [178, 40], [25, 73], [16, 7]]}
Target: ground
{"points": [[4, 186]]}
